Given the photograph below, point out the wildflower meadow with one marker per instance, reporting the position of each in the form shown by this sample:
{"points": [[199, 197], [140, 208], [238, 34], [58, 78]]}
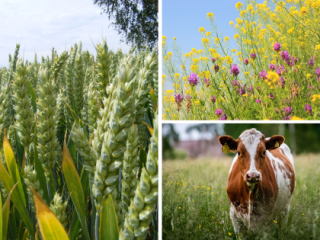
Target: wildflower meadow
{"points": [[272, 74]]}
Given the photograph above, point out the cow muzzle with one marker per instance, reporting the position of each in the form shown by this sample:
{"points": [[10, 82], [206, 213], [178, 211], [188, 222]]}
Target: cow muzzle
{"points": [[253, 177]]}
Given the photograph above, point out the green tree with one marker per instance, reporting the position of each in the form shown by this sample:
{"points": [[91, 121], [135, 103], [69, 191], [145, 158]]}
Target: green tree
{"points": [[136, 20]]}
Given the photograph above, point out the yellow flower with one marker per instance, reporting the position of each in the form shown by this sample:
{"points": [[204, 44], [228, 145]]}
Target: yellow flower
{"points": [[210, 15], [274, 221], [197, 102], [295, 118], [226, 39], [304, 10], [230, 234], [236, 36], [208, 34], [199, 226], [231, 22], [217, 40], [164, 77], [174, 38], [179, 207], [188, 91], [315, 97], [309, 76], [245, 95], [202, 29], [205, 40], [182, 66], [164, 38], [317, 47], [168, 92], [176, 75], [239, 5], [169, 54]]}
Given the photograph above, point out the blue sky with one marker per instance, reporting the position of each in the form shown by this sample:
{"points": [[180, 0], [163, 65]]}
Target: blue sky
{"points": [[40, 25], [182, 19]]}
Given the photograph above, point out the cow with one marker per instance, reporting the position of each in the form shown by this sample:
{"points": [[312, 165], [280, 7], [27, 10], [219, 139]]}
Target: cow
{"points": [[261, 181]]}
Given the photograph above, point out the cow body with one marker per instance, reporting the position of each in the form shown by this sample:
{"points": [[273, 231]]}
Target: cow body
{"points": [[261, 181]]}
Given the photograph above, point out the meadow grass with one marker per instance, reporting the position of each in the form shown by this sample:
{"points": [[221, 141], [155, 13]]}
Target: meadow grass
{"points": [[196, 205]]}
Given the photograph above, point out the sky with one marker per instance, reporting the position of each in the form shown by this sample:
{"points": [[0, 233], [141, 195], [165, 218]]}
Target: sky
{"points": [[182, 19], [38, 26]]}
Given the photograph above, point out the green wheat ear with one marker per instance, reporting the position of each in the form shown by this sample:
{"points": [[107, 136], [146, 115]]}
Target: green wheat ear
{"points": [[5, 104], [143, 204]]}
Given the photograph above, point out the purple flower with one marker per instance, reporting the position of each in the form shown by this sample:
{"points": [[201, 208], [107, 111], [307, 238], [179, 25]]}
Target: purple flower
{"points": [[310, 87], [207, 82], [213, 99], [188, 97], [295, 69], [311, 62], [282, 81], [280, 69], [318, 72], [193, 79], [216, 68], [178, 97], [246, 61], [308, 108], [234, 70], [235, 83], [287, 111], [213, 59], [277, 47], [253, 55], [271, 96], [223, 117], [218, 112], [295, 59], [285, 55], [250, 88], [258, 101], [263, 74], [287, 117], [272, 67]]}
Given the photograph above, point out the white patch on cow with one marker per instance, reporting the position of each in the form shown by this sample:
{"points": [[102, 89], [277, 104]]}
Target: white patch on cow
{"points": [[238, 218], [283, 182], [233, 162], [251, 138]]}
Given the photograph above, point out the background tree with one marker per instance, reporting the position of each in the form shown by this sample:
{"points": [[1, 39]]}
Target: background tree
{"points": [[136, 20]]}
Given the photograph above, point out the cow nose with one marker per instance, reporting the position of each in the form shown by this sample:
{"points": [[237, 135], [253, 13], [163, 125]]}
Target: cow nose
{"points": [[253, 177]]}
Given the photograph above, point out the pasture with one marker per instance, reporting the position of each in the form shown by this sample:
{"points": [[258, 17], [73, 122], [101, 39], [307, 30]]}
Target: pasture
{"points": [[195, 201]]}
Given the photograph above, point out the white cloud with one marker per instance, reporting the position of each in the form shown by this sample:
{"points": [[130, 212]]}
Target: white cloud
{"points": [[41, 25]]}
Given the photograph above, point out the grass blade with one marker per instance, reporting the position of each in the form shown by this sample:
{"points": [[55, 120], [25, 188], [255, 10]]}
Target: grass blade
{"points": [[108, 221], [5, 215]]}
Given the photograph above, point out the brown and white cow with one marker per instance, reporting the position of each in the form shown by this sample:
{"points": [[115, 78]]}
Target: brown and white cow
{"points": [[261, 180]]}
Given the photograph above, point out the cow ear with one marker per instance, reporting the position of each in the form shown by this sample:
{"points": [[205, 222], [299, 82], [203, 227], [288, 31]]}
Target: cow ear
{"points": [[274, 142], [228, 143]]}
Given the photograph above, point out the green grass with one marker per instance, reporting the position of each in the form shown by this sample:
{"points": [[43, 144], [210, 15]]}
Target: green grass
{"points": [[196, 205]]}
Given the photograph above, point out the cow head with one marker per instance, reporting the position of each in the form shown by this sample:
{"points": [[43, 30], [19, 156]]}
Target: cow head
{"points": [[251, 148]]}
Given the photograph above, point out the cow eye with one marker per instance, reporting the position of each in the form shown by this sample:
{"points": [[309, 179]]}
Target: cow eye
{"points": [[238, 153], [263, 153]]}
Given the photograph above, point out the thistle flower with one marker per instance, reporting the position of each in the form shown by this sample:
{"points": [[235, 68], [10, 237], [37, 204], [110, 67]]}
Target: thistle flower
{"points": [[263, 74], [272, 67], [218, 112], [235, 83], [311, 62], [178, 99], [271, 96], [253, 55], [258, 101], [59, 207], [234, 70], [213, 60], [277, 47], [282, 82], [307, 108], [193, 79], [213, 99], [142, 206], [46, 127], [223, 117], [287, 111], [216, 68], [207, 82], [246, 61]]}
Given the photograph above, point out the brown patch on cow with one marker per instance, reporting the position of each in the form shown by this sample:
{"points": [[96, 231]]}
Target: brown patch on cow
{"points": [[287, 168]]}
